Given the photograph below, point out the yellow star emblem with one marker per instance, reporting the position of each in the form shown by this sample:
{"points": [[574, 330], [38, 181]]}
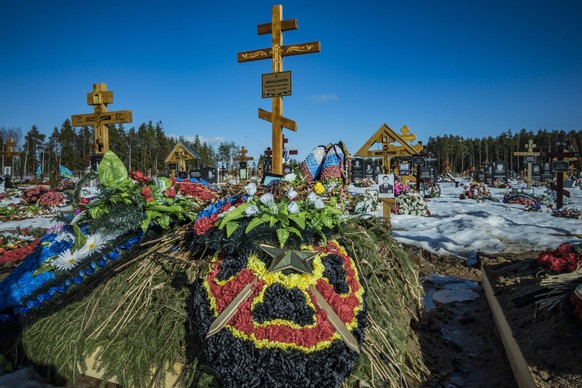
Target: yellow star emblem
{"points": [[297, 260]]}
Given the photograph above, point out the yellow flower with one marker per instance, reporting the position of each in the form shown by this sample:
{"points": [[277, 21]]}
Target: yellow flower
{"points": [[318, 188]]}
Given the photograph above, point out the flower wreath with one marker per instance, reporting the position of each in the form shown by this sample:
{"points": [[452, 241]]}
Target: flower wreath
{"points": [[280, 335]]}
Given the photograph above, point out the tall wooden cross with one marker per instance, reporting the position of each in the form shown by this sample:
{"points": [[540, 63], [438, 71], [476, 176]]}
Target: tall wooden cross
{"points": [[99, 119], [530, 152], [276, 52]]}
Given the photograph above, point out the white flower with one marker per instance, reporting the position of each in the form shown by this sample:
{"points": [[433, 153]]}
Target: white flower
{"points": [[312, 197], [318, 203], [316, 200], [290, 177], [268, 199], [292, 193], [252, 210], [251, 189], [293, 208], [66, 260], [93, 243]]}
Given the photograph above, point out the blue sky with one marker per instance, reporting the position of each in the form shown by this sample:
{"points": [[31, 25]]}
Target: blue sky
{"points": [[473, 68]]}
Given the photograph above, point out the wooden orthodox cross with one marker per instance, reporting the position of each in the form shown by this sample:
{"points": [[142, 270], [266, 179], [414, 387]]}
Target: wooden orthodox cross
{"points": [[530, 152], [276, 53], [243, 155], [242, 163], [8, 153], [559, 154], [99, 119]]}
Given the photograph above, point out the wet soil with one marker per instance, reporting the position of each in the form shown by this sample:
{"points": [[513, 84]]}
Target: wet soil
{"points": [[460, 343]]}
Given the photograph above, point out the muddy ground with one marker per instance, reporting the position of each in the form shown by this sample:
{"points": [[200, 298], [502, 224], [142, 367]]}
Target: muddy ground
{"points": [[460, 343]]}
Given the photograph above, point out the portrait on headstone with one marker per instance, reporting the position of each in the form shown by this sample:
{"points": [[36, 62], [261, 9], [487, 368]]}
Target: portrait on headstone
{"points": [[499, 168], [404, 168], [357, 165], [369, 171], [386, 186]]}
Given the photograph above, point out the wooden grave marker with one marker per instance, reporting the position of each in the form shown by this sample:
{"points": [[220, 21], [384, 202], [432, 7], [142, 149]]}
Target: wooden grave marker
{"points": [[386, 136], [242, 161], [9, 153], [530, 152], [179, 155], [99, 99], [276, 53], [560, 155]]}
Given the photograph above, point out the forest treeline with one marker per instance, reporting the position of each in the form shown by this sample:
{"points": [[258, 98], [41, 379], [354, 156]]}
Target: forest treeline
{"points": [[146, 148]]}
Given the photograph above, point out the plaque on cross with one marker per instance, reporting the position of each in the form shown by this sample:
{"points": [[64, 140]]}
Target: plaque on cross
{"points": [[528, 155], [99, 98], [276, 53]]}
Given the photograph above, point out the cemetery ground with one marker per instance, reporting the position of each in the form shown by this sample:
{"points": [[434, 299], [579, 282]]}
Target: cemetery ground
{"points": [[459, 341]]}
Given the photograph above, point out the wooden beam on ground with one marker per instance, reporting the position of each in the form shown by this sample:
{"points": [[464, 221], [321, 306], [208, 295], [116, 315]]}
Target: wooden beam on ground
{"points": [[519, 366]]}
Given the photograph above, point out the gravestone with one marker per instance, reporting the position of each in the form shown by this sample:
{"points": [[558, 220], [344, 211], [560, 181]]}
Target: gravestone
{"points": [[536, 173], [479, 176], [357, 166], [500, 171], [428, 173], [369, 169]]}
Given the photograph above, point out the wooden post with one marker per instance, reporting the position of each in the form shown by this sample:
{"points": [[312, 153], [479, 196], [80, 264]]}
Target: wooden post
{"points": [[387, 205], [530, 152], [99, 119], [276, 53]]}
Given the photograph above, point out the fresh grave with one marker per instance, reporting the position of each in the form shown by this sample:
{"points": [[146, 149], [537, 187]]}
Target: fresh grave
{"points": [[142, 264]]}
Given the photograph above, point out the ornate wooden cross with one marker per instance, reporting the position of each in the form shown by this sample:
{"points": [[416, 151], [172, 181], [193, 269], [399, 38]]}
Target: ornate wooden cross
{"points": [[530, 152], [99, 119], [8, 153], [243, 155], [276, 53], [386, 136]]}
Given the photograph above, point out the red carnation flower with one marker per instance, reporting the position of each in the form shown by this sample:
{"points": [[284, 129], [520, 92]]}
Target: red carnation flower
{"points": [[171, 192], [147, 193]]}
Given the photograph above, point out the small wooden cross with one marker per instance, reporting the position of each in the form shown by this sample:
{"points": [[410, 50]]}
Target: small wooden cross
{"points": [[243, 155], [530, 152], [276, 52], [9, 149], [99, 119]]}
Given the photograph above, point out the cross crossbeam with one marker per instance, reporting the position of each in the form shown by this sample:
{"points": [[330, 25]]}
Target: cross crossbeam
{"points": [[276, 53], [99, 98]]}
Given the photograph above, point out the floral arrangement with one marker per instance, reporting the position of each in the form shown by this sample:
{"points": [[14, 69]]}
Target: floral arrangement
{"points": [[287, 210], [14, 211], [530, 202], [431, 189], [565, 258], [366, 203], [282, 334], [475, 190], [31, 195], [568, 213], [16, 246], [497, 184], [364, 182], [400, 188], [106, 228], [408, 201]]}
